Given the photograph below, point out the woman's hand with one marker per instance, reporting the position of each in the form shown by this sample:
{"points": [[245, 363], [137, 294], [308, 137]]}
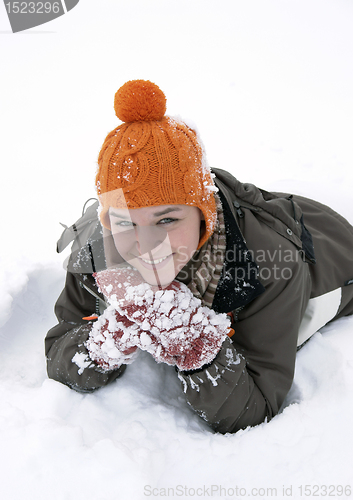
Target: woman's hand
{"points": [[111, 342], [172, 324]]}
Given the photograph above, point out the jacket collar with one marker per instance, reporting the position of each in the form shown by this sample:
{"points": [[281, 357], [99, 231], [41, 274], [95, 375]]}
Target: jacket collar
{"points": [[238, 284]]}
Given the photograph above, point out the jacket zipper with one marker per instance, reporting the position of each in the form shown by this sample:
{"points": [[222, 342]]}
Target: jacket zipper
{"points": [[99, 300]]}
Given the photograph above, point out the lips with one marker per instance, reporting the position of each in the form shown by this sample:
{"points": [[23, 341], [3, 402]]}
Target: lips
{"points": [[156, 263]]}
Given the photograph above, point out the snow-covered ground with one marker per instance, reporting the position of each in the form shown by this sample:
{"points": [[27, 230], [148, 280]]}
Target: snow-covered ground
{"points": [[269, 85]]}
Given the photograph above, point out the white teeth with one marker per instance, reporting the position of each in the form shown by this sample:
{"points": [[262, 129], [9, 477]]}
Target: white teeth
{"points": [[157, 261]]}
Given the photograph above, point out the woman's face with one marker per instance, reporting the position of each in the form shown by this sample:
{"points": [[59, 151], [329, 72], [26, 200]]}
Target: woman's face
{"points": [[158, 241]]}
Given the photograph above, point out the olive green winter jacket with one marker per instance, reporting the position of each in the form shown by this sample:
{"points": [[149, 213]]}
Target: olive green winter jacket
{"points": [[287, 272]]}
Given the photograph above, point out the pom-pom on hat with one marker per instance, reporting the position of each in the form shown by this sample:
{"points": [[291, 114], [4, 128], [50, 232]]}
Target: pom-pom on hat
{"points": [[152, 159], [140, 100]]}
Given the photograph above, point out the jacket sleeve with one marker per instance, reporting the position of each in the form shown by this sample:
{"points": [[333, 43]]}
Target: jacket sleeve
{"points": [[68, 361], [251, 375]]}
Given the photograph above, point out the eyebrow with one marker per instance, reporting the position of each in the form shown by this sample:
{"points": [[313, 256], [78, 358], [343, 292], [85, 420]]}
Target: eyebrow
{"points": [[156, 214], [166, 211], [127, 217]]}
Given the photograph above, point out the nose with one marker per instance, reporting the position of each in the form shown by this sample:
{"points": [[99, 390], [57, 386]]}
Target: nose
{"points": [[149, 237]]}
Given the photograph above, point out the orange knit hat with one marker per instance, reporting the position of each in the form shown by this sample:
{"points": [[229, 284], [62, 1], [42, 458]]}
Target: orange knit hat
{"points": [[152, 159]]}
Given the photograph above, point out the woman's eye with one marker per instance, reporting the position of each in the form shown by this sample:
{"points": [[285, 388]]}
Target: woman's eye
{"points": [[124, 223], [167, 220]]}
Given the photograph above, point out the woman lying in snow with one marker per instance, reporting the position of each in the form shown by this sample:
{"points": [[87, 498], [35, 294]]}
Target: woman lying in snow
{"points": [[218, 278]]}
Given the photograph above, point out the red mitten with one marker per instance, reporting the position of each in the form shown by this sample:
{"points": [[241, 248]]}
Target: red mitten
{"points": [[173, 325], [111, 340]]}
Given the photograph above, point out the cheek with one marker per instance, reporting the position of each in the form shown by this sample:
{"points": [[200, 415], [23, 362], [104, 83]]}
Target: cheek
{"points": [[122, 243], [186, 240], [194, 241]]}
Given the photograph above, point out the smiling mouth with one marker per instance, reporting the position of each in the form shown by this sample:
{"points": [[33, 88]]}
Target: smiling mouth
{"points": [[154, 262]]}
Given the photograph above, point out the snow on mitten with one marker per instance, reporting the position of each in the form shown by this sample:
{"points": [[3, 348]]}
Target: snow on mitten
{"points": [[111, 340], [175, 327]]}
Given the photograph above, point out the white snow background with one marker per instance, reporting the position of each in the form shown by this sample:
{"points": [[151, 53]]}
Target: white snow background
{"points": [[269, 85]]}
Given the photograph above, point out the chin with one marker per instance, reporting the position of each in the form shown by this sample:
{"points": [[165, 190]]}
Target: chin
{"points": [[162, 279], [152, 280], [159, 285]]}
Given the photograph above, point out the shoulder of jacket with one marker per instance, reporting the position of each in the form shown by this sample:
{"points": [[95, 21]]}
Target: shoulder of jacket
{"points": [[278, 210], [252, 196]]}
